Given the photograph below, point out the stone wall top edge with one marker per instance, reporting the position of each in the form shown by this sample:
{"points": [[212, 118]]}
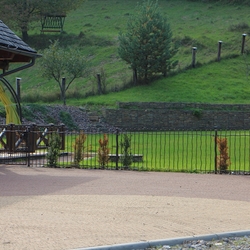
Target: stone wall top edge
{"points": [[181, 105]]}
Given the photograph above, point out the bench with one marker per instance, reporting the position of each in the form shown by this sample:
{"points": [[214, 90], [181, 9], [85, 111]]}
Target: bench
{"points": [[136, 157], [51, 30]]}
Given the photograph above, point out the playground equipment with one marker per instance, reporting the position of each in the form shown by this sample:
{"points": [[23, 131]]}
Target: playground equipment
{"points": [[12, 112]]}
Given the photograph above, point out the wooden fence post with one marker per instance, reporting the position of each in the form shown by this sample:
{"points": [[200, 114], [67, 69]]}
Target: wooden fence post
{"points": [[194, 49], [219, 50], [243, 43]]}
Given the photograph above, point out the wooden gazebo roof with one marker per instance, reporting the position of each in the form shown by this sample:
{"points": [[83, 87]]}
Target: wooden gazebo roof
{"points": [[14, 50]]}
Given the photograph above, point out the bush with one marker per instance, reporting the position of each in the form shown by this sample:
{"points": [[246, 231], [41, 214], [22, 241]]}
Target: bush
{"points": [[53, 149], [103, 152], [127, 157], [223, 159], [67, 120], [79, 148]]}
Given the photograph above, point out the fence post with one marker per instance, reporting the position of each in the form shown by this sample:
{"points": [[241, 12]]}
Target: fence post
{"points": [[243, 43], [215, 149], [28, 131], [219, 50], [194, 49], [117, 149]]}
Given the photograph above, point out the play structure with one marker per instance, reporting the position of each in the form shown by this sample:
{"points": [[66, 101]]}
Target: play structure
{"points": [[14, 136]]}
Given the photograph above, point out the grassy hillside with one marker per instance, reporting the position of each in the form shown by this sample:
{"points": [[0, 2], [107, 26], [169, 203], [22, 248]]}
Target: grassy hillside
{"points": [[94, 29]]}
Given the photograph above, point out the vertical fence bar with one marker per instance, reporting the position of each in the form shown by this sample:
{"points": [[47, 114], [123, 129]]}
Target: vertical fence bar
{"points": [[116, 149], [215, 149], [187, 149], [140, 148]]}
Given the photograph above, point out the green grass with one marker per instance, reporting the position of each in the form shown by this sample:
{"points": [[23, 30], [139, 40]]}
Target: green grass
{"points": [[179, 151], [94, 28]]}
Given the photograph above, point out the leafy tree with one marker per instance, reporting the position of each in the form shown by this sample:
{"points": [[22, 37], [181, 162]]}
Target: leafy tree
{"points": [[19, 14], [63, 64], [147, 46]]}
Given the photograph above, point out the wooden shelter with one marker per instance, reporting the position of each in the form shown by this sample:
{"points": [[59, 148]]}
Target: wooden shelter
{"points": [[13, 50]]}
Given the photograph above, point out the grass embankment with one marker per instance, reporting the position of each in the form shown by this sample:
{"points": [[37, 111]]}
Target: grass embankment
{"points": [[94, 29]]}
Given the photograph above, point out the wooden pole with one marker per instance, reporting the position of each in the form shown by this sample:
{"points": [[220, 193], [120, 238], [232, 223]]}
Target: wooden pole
{"points": [[219, 50], [18, 90], [194, 49], [243, 43]]}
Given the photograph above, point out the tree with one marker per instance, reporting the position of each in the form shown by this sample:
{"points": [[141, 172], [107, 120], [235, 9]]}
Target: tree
{"points": [[61, 64], [19, 14], [147, 46]]}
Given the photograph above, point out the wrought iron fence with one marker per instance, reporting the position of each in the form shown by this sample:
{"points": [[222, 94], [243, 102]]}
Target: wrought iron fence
{"points": [[178, 151]]}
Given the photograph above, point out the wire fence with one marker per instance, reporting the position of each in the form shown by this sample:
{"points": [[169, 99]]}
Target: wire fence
{"points": [[176, 151]]}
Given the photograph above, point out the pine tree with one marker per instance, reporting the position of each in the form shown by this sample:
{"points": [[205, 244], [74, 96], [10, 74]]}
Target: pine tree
{"points": [[147, 45]]}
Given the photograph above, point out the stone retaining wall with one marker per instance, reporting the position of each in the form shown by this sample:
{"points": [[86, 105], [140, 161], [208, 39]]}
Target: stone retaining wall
{"points": [[184, 116]]}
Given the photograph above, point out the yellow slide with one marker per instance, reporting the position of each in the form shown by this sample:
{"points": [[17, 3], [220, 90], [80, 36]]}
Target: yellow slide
{"points": [[10, 108]]}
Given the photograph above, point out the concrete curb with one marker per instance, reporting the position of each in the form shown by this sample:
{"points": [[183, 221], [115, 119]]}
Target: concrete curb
{"points": [[170, 242]]}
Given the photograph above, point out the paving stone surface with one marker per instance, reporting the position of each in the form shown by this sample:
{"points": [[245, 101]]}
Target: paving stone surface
{"points": [[62, 209]]}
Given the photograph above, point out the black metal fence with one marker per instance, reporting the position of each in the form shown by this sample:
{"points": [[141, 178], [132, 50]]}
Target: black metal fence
{"points": [[178, 151]]}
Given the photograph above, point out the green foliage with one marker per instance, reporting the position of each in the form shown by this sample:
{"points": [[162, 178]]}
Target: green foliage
{"points": [[53, 149], [127, 157], [147, 46], [67, 120], [103, 152], [58, 63], [79, 148], [197, 112]]}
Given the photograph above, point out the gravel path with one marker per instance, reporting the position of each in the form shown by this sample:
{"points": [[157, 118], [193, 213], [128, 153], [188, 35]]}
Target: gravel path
{"points": [[234, 243]]}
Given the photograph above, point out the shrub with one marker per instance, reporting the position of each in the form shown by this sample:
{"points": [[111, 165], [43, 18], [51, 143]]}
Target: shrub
{"points": [[53, 149], [223, 159], [103, 152], [127, 157], [67, 120], [79, 148]]}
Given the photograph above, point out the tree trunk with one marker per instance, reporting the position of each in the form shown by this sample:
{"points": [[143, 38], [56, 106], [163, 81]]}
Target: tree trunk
{"points": [[99, 84], [135, 76], [25, 35], [63, 90]]}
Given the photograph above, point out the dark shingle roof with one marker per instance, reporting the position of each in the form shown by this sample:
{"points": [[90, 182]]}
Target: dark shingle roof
{"points": [[11, 41]]}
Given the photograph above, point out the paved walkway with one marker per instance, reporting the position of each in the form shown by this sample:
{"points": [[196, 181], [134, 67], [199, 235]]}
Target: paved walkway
{"points": [[62, 209]]}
